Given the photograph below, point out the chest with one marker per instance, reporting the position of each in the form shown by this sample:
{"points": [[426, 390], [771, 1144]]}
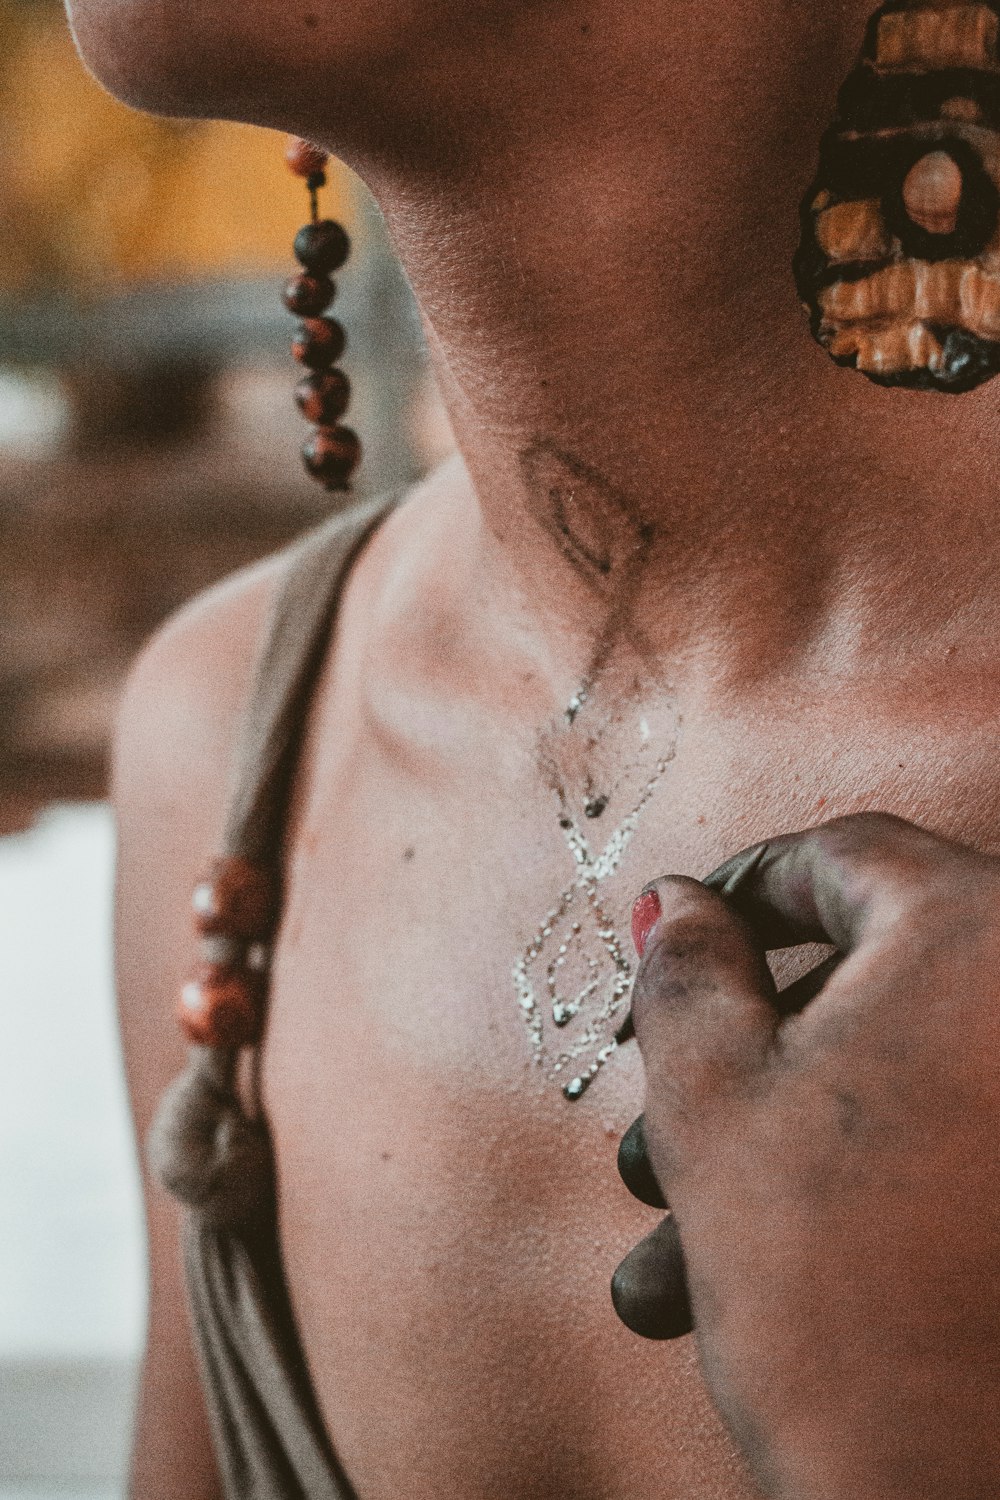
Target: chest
{"points": [[450, 1222]]}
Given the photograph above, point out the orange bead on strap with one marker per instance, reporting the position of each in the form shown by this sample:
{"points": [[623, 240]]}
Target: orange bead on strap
{"points": [[218, 1008], [235, 900], [305, 159]]}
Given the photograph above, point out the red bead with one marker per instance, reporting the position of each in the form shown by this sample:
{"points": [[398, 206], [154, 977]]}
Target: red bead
{"points": [[331, 455], [305, 159], [235, 900], [322, 247], [309, 295], [320, 343], [218, 1008], [324, 396]]}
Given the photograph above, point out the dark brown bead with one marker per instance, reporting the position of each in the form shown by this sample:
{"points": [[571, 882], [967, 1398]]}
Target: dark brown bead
{"points": [[235, 900], [332, 455], [323, 397], [322, 247], [219, 1007], [305, 159], [309, 295], [320, 343]]}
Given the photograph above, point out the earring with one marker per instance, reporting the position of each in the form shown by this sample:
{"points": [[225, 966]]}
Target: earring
{"points": [[332, 453], [899, 261]]}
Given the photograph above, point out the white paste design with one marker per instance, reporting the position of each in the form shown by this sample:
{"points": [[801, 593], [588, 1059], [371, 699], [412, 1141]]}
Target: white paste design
{"points": [[578, 933]]}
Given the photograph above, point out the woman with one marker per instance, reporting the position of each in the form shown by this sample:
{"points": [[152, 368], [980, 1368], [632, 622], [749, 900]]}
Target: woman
{"points": [[686, 579]]}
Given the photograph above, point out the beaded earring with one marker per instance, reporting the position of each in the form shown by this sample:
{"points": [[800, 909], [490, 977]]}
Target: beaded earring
{"points": [[899, 262], [332, 453], [235, 905]]}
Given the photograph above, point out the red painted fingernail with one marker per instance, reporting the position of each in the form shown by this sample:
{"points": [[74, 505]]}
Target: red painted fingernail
{"points": [[645, 915]]}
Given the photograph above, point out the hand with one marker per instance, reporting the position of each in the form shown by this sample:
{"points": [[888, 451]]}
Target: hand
{"points": [[831, 1156]]}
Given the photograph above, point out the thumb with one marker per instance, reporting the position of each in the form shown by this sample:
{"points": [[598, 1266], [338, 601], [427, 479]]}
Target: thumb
{"points": [[704, 1011]]}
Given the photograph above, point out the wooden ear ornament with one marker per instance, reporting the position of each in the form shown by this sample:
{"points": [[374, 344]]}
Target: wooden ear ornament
{"points": [[899, 261]]}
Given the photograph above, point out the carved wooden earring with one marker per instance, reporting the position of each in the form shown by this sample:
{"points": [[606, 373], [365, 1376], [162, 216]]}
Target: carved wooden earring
{"points": [[899, 262], [332, 453]]}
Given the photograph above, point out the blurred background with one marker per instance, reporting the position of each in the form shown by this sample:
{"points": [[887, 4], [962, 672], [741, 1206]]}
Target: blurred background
{"points": [[148, 445]]}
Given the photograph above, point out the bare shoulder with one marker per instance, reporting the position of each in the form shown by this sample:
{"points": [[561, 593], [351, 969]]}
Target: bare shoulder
{"points": [[176, 730], [186, 690], [178, 724], [180, 717], [181, 712]]}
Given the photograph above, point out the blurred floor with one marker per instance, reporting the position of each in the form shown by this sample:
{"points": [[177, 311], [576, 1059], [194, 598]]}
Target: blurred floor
{"points": [[71, 1239]]}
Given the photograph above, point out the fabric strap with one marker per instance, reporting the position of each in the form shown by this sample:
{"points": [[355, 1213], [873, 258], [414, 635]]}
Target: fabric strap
{"points": [[292, 654], [269, 1437]]}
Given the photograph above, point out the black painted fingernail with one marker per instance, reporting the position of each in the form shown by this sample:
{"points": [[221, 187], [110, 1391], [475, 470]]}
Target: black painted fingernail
{"points": [[649, 1290], [635, 1167], [626, 1031]]}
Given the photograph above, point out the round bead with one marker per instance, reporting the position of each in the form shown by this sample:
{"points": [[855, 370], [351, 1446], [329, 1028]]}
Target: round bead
{"points": [[322, 247], [218, 1008], [235, 900], [323, 396], [320, 343], [331, 455], [932, 193], [309, 295], [305, 159]]}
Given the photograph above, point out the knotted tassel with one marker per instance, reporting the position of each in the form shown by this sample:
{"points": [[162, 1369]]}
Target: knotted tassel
{"points": [[206, 1151]]}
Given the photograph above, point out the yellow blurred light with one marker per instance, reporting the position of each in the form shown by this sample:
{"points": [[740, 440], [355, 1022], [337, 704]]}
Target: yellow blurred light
{"points": [[95, 195]]}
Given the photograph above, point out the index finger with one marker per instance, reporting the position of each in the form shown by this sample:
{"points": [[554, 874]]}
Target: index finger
{"points": [[835, 883]]}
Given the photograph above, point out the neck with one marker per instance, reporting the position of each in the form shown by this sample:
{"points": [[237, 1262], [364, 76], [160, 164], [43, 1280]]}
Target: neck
{"points": [[604, 269]]}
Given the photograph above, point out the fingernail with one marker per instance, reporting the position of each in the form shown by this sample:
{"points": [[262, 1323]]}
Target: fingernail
{"points": [[626, 1031], [645, 915]]}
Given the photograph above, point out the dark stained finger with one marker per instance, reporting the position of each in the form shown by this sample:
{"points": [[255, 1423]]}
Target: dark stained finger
{"points": [[649, 1289], [827, 883], [703, 1004], [636, 1169], [795, 997]]}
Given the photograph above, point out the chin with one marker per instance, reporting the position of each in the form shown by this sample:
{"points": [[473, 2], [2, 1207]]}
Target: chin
{"points": [[134, 49], [343, 72]]}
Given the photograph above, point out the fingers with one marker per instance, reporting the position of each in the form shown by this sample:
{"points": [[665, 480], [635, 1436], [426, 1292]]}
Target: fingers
{"points": [[706, 1013], [649, 1289], [703, 1008], [830, 884]]}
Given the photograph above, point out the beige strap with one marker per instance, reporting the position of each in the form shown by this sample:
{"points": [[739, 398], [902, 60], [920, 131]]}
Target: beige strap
{"points": [[268, 1433], [300, 625]]}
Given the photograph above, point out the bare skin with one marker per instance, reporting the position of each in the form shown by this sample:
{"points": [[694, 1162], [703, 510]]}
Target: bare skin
{"points": [[666, 497]]}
